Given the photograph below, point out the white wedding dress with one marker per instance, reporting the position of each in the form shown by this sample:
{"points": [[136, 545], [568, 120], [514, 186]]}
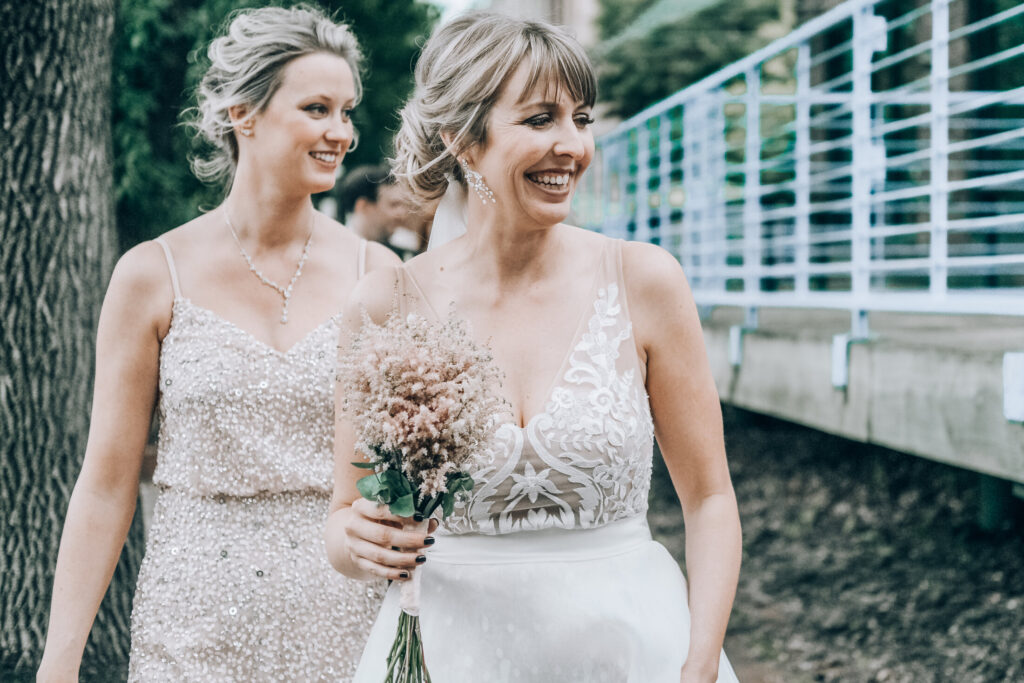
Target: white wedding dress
{"points": [[548, 572]]}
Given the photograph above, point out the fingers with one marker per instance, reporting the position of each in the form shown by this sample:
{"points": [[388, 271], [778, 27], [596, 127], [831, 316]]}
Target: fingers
{"points": [[386, 557], [382, 513], [383, 544], [390, 573]]}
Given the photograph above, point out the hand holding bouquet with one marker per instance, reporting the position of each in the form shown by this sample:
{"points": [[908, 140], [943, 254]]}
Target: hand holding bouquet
{"points": [[423, 399]]}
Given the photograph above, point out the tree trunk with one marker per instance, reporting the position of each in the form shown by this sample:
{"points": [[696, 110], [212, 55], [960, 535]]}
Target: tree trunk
{"points": [[57, 246]]}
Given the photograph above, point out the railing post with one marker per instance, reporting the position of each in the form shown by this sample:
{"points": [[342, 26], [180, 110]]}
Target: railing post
{"points": [[752, 227], [803, 170], [623, 181], [860, 228], [939, 202], [664, 185], [643, 177], [867, 31], [716, 234], [694, 217]]}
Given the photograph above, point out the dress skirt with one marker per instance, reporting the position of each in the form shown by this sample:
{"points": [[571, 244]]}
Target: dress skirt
{"points": [[239, 589], [588, 606]]}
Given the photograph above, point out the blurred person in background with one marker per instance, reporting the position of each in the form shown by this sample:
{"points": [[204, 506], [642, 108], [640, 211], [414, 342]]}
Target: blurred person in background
{"points": [[377, 210]]}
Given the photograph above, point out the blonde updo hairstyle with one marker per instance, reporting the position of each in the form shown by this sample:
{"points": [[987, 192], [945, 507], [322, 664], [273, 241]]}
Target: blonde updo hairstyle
{"points": [[460, 76], [246, 69]]}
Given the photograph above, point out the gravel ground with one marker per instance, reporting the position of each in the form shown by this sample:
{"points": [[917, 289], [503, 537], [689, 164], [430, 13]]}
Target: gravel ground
{"points": [[860, 563]]}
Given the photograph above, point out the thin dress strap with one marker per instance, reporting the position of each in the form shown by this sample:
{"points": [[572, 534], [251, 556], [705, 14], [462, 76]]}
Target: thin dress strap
{"points": [[619, 276], [361, 260], [170, 266]]}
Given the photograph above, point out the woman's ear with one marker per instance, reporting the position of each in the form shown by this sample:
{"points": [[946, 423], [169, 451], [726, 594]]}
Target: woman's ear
{"points": [[240, 119]]}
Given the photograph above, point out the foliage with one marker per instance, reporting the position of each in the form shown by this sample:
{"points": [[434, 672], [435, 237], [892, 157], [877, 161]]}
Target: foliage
{"points": [[615, 15], [642, 71], [159, 56]]}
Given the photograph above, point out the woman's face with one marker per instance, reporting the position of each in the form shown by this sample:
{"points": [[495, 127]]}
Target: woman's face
{"points": [[301, 136], [537, 147]]}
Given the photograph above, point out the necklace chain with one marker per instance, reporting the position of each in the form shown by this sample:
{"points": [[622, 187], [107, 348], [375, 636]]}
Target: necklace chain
{"points": [[285, 292]]}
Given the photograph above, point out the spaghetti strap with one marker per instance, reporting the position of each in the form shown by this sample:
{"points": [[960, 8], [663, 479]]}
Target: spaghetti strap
{"points": [[361, 260], [170, 266]]}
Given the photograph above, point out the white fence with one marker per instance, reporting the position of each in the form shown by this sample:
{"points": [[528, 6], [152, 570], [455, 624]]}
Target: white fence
{"points": [[871, 160]]}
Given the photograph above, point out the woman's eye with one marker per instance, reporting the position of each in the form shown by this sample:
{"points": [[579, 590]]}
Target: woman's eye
{"points": [[318, 109], [584, 120], [346, 114], [538, 121]]}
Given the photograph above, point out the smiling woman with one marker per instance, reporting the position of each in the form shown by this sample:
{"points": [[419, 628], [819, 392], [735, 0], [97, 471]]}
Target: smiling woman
{"points": [[547, 570], [228, 325]]}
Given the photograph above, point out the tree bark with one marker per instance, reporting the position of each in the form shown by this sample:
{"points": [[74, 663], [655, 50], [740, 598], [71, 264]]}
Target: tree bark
{"points": [[57, 247]]}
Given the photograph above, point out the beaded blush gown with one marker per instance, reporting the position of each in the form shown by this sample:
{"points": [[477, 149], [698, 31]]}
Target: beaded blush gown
{"points": [[235, 584], [548, 572]]}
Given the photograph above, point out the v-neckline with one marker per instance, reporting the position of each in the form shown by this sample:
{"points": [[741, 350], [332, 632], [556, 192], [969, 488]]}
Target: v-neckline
{"points": [[246, 333], [584, 317]]}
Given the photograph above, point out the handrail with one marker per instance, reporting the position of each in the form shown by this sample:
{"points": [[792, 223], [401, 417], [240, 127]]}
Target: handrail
{"points": [[871, 160]]}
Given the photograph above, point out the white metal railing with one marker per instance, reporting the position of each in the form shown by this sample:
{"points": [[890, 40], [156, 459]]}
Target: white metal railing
{"points": [[872, 160]]}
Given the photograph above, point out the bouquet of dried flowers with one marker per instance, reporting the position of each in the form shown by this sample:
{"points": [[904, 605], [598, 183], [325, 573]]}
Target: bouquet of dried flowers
{"points": [[424, 402]]}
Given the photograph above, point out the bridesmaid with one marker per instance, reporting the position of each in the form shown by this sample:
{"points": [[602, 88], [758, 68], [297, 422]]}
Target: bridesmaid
{"points": [[228, 326]]}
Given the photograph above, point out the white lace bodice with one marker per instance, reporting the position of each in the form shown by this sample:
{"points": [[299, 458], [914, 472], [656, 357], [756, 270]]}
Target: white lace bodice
{"points": [[585, 460]]}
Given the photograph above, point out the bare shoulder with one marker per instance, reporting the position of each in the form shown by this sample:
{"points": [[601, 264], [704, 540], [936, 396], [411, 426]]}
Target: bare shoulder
{"points": [[142, 271], [375, 294], [140, 293], [344, 241], [650, 271], [379, 256]]}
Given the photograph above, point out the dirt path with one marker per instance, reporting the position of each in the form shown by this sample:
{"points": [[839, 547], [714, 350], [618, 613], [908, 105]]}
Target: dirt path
{"points": [[860, 564]]}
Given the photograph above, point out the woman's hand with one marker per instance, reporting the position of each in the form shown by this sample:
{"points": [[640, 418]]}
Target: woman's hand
{"points": [[385, 545]]}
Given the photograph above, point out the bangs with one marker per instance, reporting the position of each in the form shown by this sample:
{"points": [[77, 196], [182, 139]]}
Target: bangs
{"points": [[557, 64]]}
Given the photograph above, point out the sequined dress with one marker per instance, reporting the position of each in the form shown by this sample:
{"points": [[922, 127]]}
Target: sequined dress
{"points": [[235, 584], [548, 572]]}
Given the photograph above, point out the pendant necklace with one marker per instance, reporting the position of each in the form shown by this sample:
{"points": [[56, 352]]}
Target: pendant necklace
{"points": [[285, 292]]}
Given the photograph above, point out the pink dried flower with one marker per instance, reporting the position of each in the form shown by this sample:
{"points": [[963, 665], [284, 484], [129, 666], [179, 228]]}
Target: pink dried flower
{"points": [[422, 396]]}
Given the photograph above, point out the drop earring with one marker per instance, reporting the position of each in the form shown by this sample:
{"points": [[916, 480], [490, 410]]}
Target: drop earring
{"points": [[476, 181]]}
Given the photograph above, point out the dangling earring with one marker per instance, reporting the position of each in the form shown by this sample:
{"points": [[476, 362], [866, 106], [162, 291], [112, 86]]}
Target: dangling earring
{"points": [[476, 181]]}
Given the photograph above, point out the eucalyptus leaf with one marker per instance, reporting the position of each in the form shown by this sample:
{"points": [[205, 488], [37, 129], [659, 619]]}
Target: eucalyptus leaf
{"points": [[404, 506], [369, 486], [363, 465]]}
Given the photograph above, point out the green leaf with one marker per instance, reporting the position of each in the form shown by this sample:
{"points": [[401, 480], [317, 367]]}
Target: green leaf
{"points": [[370, 487], [363, 465], [404, 506], [448, 504], [460, 482]]}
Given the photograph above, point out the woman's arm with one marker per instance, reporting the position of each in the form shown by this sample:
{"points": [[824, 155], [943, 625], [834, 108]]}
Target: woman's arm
{"points": [[688, 425], [364, 540], [136, 307]]}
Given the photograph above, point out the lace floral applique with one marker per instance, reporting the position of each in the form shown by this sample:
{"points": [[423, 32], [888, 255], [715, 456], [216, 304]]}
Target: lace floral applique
{"points": [[585, 460]]}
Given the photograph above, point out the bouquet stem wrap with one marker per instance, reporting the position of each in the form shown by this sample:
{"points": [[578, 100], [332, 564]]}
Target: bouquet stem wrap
{"points": [[409, 596]]}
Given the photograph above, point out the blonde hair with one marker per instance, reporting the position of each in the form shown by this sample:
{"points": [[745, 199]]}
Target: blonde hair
{"points": [[246, 69], [460, 76]]}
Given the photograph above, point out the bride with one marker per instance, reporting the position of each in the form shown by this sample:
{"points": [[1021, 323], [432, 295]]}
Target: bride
{"points": [[548, 571]]}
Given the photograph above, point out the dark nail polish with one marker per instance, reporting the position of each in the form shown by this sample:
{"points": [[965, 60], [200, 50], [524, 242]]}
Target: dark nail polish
{"points": [[404, 575], [417, 517], [395, 547], [429, 540], [420, 559]]}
